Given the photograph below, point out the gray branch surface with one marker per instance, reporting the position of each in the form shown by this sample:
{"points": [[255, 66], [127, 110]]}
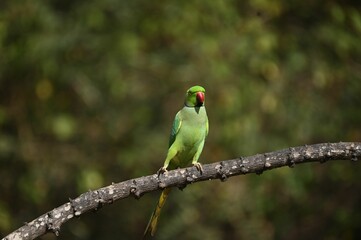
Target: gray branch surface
{"points": [[93, 200]]}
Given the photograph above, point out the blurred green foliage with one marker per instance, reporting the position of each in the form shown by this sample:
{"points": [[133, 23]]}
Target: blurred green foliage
{"points": [[89, 89]]}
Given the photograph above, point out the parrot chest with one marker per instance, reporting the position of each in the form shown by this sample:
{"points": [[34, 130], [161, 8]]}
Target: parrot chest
{"points": [[191, 135]]}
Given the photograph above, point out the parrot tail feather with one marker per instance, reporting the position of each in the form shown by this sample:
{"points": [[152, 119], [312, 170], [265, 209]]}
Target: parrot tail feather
{"points": [[152, 225]]}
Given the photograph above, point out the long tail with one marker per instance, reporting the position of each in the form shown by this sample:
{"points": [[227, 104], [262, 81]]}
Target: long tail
{"points": [[152, 225]]}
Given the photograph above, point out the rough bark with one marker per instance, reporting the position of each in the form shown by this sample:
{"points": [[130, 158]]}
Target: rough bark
{"points": [[93, 200]]}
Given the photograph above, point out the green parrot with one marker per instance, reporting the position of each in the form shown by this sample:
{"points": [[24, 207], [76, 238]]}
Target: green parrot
{"points": [[189, 131]]}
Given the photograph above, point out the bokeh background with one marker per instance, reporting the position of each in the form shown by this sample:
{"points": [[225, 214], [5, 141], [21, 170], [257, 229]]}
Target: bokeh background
{"points": [[89, 89]]}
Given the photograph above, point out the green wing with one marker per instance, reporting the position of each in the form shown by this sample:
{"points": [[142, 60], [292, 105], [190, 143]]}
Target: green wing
{"points": [[175, 128]]}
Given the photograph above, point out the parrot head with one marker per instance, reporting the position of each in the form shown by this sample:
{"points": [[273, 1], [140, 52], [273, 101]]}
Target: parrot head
{"points": [[195, 96]]}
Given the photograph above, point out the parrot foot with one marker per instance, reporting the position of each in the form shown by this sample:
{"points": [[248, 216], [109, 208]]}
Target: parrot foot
{"points": [[198, 166], [162, 170]]}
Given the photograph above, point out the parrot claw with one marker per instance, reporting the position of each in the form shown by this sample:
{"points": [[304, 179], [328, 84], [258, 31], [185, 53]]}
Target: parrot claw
{"points": [[199, 167], [162, 170]]}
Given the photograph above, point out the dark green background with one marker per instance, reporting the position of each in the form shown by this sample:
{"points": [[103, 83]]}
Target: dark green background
{"points": [[89, 89]]}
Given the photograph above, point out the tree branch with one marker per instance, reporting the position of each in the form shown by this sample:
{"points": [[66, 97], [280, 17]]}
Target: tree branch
{"points": [[93, 200]]}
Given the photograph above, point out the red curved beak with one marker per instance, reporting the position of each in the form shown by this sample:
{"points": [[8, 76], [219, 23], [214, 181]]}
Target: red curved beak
{"points": [[200, 97]]}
